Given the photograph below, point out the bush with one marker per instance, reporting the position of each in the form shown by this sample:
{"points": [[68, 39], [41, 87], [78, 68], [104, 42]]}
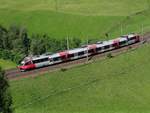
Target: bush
{"points": [[63, 69], [109, 55]]}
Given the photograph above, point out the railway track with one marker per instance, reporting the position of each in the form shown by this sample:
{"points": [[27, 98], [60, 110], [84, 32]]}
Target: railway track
{"points": [[15, 74]]}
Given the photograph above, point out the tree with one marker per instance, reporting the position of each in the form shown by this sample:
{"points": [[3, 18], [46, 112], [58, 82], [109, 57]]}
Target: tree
{"points": [[13, 35], [5, 97], [4, 42], [37, 45], [77, 42], [26, 42]]}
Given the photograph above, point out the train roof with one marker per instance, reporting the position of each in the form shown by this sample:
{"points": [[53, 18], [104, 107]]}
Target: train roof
{"points": [[54, 55], [39, 57], [129, 35], [76, 50], [26, 59]]}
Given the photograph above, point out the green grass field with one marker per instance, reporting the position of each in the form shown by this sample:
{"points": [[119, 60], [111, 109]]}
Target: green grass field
{"points": [[117, 85], [5, 64], [83, 7], [73, 18]]}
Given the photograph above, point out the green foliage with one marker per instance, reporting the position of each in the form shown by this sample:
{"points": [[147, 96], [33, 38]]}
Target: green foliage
{"points": [[37, 46], [43, 43], [14, 43], [5, 97], [109, 55]]}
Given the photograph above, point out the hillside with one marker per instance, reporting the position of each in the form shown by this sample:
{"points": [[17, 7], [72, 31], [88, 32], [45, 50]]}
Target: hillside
{"points": [[117, 85], [73, 18]]}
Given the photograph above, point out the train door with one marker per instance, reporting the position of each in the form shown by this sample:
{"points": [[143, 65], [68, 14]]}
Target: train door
{"points": [[116, 44], [63, 56], [92, 49], [137, 38], [29, 65]]}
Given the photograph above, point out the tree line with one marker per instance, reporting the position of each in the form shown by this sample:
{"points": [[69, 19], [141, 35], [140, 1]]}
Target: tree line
{"points": [[15, 43]]}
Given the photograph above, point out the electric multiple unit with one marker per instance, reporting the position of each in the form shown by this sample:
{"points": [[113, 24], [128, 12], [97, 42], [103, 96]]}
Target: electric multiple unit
{"points": [[45, 60]]}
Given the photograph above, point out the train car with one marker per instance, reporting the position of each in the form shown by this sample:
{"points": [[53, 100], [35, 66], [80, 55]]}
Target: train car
{"points": [[34, 62]]}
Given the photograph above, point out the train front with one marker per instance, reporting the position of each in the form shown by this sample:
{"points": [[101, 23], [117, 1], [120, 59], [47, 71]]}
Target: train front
{"points": [[26, 64]]}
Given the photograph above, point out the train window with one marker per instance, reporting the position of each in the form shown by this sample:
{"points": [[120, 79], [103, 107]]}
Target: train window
{"points": [[91, 51], [28, 63], [44, 59], [113, 45], [132, 38], [70, 55], [81, 53], [98, 49], [106, 47], [35, 61], [121, 43], [56, 59], [40, 60]]}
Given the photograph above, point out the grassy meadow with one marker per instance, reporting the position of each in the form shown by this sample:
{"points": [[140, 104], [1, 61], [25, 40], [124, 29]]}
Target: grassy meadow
{"points": [[73, 18], [117, 85], [83, 7], [5, 64]]}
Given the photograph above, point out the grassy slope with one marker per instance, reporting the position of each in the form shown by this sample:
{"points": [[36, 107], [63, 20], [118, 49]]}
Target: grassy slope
{"points": [[59, 25], [138, 23], [117, 85], [5, 64], [71, 18], [83, 7]]}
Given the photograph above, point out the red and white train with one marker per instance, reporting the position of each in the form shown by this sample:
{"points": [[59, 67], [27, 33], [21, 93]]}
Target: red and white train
{"points": [[45, 60]]}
